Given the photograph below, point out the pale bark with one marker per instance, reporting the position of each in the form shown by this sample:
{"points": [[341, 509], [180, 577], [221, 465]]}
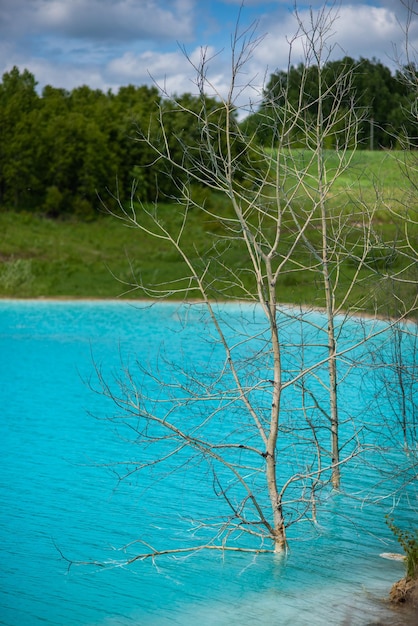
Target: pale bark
{"points": [[264, 208]]}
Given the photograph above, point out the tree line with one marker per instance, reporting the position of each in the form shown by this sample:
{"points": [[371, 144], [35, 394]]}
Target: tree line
{"points": [[60, 149], [383, 102]]}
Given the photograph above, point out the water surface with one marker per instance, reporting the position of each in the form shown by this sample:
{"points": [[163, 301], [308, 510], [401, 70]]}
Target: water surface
{"points": [[60, 497]]}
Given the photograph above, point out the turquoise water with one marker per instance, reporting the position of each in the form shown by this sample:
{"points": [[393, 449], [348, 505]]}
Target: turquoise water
{"points": [[60, 495]]}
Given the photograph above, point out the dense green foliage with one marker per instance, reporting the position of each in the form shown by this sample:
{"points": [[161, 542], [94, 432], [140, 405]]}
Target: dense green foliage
{"points": [[61, 150], [382, 100]]}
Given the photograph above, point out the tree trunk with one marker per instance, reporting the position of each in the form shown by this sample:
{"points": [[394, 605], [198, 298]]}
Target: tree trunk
{"points": [[275, 496], [276, 503]]}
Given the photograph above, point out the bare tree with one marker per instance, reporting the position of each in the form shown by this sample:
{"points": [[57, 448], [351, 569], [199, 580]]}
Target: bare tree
{"points": [[327, 116], [247, 418]]}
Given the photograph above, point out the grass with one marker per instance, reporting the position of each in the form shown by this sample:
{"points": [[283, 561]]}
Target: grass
{"points": [[408, 540], [374, 178], [40, 257]]}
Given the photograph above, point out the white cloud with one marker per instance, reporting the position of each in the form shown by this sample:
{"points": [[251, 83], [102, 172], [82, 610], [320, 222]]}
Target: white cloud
{"points": [[172, 71], [109, 43], [101, 20], [370, 31], [358, 31], [133, 67]]}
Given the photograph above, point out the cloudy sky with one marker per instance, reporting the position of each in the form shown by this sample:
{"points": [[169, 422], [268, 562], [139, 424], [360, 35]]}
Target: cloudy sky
{"points": [[109, 43]]}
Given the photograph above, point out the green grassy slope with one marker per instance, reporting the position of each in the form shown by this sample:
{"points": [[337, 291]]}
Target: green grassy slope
{"points": [[40, 257]]}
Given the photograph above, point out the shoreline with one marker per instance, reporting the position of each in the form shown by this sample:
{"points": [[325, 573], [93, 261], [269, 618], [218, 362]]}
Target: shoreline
{"points": [[302, 308]]}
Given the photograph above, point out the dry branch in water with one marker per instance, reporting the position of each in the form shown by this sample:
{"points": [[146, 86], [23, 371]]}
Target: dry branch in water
{"points": [[278, 203]]}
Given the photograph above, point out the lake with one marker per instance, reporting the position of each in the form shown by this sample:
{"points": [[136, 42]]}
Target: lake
{"points": [[62, 500]]}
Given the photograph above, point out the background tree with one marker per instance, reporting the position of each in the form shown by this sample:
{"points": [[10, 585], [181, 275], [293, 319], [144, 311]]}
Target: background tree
{"points": [[382, 97], [105, 126], [19, 105], [132, 108]]}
